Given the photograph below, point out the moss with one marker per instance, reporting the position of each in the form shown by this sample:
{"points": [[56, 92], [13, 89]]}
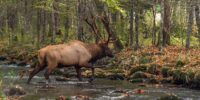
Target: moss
{"points": [[165, 71], [137, 80], [138, 74], [142, 68]]}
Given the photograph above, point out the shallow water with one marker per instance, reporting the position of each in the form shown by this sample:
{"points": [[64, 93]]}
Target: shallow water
{"points": [[101, 89]]}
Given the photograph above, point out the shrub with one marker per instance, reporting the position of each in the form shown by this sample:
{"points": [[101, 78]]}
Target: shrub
{"points": [[165, 71], [180, 63], [180, 77], [138, 68]]}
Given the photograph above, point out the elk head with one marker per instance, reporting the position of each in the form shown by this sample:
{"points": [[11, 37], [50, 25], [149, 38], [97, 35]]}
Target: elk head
{"points": [[105, 49], [103, 44]]}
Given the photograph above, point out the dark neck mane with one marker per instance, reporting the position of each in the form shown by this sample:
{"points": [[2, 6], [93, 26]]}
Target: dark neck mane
{"points": [[96, 52]]}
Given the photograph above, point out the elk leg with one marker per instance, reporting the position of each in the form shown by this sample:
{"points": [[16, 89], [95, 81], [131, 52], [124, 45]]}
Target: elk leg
{"points": [[92, 77], [89, 65], [78, 71], [51, 65], [34, 72]]}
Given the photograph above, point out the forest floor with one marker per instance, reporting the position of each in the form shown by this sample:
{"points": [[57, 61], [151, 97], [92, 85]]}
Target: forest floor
{"points": [[172, 64]]}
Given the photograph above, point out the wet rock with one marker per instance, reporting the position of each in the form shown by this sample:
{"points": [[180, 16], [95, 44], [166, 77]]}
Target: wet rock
{"points": [[58, 72], [61, 79], [166, 80], [12, 91], [22, 63], [142, 68], [154, 69], [3, 58], [115, 76], [137, 80], [138, 91], [11, 62], [169, 97], [80, 97], [153, 80], [62, 98], [123, 96], [139, 74], [99, 73]]}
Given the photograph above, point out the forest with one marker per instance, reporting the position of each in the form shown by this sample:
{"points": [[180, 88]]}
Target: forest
{"points": [[155, 44]]}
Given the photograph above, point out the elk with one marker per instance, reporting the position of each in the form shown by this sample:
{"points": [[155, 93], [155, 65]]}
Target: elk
{"points": [[74, 53]]}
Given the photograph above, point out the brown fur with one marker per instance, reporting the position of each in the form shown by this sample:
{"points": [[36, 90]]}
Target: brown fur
{"points": [[74, 53]]}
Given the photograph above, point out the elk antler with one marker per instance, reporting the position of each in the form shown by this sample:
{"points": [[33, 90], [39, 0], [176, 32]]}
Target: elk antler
{"points": [[93, 25], [106, 24]]}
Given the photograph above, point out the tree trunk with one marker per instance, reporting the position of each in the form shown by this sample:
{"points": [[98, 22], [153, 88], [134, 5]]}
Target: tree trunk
{"points": [[44, 25], [190, 23], [26, 23], [67, 25], [53, 26], [56, 15], [136, 25], [131, 25], [197, 12], [159, 44], [166, 23], [154, 24], [79, 22], [38, 27]]}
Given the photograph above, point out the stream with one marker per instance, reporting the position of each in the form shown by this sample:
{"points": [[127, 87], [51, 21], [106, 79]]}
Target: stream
{"points": [[101, 89]]}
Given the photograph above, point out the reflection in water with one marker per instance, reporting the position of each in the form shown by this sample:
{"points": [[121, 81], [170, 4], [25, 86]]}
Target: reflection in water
{"points": [[101, 89]]}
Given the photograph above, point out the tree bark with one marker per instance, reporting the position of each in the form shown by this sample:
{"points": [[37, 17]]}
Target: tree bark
{"points": [[190, 23], [166, 23], [159, 44], [136, 25], [197, 12], [53, 26], [38, 27], [154, 24], [131, 25], [79, 22]]}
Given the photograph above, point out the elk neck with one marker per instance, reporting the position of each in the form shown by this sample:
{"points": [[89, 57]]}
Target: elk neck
{"points": [[96, 51]]}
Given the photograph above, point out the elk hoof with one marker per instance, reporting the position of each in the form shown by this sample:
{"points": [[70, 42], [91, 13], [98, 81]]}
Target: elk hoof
{"points": [[91, 80]]}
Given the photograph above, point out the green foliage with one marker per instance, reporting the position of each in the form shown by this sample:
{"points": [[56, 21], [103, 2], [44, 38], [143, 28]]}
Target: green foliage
{"points": [[114, 5], [180, 77], [180, 63], [143, 60]]}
